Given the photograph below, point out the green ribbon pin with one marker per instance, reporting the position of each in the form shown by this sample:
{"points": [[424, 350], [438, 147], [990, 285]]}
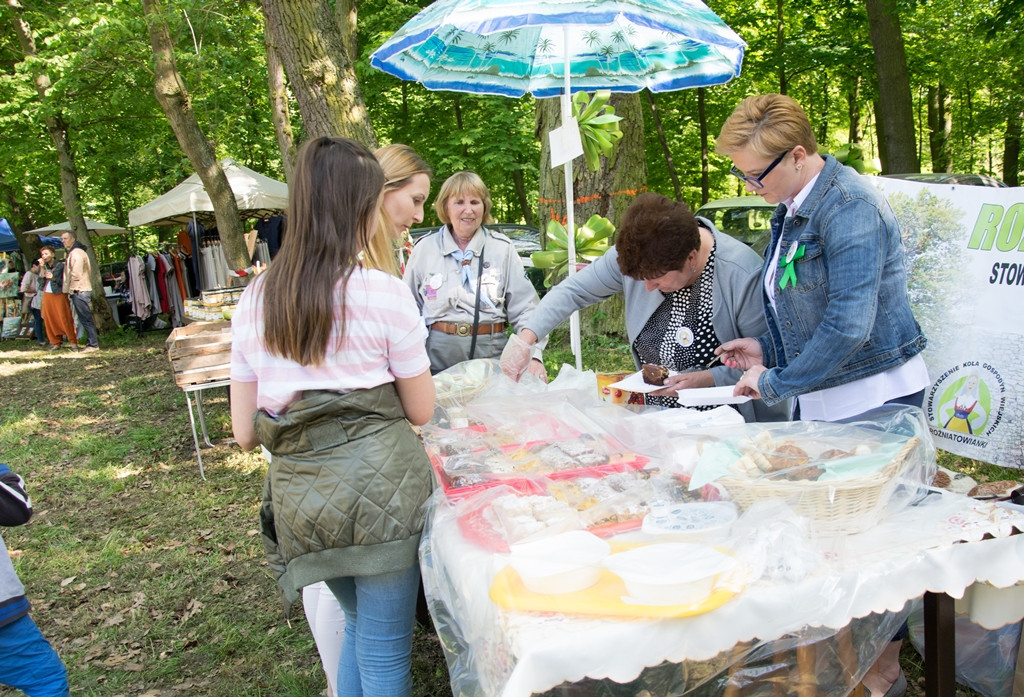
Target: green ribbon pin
{"points": [[788, 266]]}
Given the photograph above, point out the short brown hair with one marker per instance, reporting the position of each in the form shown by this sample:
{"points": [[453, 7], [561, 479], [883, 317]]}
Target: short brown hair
{"points": [[464, 182], [656, 236], [768, 124]]}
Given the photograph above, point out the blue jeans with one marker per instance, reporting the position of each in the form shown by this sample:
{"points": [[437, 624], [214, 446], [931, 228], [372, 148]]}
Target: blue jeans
{"points": [[28, 662], [80, 300], [376, 654], [37, 319]]}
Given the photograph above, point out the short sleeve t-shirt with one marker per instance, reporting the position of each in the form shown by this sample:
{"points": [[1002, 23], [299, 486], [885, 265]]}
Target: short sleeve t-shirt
{"points": [[384, 338]]}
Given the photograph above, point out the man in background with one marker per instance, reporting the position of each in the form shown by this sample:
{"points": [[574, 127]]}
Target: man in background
{"points": [[78, 286]]}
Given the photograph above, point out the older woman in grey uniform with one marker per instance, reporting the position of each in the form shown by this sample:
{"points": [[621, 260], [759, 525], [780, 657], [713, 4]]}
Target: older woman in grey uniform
{"points": [[469, 281]]}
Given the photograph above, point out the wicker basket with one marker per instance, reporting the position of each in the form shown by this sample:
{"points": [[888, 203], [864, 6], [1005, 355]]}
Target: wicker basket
{"points": [[835, 506]]}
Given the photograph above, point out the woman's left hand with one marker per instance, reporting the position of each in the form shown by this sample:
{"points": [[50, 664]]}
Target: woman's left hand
{"points": [[747, 385]]}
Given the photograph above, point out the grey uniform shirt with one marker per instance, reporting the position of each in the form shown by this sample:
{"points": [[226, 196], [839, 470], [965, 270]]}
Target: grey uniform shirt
{"points": [[437, 282]]}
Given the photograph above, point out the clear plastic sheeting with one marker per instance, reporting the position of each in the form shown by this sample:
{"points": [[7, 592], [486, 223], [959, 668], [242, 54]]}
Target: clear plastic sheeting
{"points": [[807, 598]]}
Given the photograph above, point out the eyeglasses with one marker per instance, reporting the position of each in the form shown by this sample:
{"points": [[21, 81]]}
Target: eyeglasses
{"points": [[756, 181]]}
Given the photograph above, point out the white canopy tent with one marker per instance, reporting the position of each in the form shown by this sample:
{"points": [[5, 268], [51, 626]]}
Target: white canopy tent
{"points": [[92, 225], [255, 194]]}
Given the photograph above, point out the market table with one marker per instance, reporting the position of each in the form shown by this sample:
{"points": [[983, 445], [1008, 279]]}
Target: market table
{"points": [[842, 595], [200, 356]]}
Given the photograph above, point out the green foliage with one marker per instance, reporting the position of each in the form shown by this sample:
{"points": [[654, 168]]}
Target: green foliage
{"points": [[590, 242]]}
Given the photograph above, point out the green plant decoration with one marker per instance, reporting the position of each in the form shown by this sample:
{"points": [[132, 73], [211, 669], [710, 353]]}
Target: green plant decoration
{"points": [[852, 154], [599, 127], [591, 243]]}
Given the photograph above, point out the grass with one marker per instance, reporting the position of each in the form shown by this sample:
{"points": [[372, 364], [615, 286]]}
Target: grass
{"points": [[148, 580]]}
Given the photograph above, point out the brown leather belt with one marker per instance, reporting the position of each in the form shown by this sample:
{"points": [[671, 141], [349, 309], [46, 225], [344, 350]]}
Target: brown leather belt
{"points": [[465, 329]]}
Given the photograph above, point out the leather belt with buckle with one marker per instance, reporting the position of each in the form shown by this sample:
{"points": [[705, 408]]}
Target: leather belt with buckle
{"points": [[465, 329]]}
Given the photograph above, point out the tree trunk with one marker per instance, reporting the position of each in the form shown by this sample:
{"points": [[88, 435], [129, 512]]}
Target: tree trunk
{"points": [[656, 117], [702, 117], [607, 192], [279, 114], [58, 131], [323, 78], [780, 44], [895, 113], [19, 220], [524, 204], [347, 14], [1011, 149], [174, 99], [939, 128], [853, 111]]}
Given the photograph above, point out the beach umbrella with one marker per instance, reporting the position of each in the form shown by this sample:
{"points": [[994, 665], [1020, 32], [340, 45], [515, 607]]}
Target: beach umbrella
{"points": [[554, 47]]}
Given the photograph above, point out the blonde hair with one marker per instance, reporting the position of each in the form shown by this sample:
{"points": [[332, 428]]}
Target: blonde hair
{"points": [[461, 183], [768, 124], [400, 164]]}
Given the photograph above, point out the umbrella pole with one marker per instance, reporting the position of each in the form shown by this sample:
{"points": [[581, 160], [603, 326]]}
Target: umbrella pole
{"points": [[570, 204]]}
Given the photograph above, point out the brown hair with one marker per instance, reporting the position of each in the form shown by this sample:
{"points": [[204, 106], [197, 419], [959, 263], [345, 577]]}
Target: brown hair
{"points": [[462, 183], [333, 202], [656, 236], [768, 124], [400, 163]]}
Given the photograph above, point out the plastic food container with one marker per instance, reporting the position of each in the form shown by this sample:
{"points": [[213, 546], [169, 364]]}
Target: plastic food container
{"points": [[705, 522], [671, 573], [563, 563]]}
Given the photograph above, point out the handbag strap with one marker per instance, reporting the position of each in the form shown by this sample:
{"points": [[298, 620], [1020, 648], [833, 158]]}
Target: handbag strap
{"points": [[476, 309]]}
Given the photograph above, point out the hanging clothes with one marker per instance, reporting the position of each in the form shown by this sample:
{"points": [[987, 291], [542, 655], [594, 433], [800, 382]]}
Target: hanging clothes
{"points": [[271, 230], [154, 289], [167, 280], [138, 288]]}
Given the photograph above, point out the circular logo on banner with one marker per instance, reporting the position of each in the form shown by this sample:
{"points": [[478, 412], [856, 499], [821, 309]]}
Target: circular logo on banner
{"points": [[684, 336], [967, 398]]}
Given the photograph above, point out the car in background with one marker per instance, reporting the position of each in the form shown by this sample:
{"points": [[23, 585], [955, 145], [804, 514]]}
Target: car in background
{"points": [[947, 178], [747, 218], [525, 238]]}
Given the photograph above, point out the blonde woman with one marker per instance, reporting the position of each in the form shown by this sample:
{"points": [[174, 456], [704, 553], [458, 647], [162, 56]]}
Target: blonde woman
{"points": [[469, 281], [406, 188]]}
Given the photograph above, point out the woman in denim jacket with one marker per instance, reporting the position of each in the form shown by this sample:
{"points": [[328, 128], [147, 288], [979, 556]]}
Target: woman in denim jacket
{"points": [[841, 336]]}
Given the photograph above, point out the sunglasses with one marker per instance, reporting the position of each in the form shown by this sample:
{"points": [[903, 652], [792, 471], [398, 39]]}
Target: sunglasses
{"points": [[756, 181]]}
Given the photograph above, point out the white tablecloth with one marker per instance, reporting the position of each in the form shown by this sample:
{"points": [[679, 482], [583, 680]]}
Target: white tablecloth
{"points": [[934, 546]]}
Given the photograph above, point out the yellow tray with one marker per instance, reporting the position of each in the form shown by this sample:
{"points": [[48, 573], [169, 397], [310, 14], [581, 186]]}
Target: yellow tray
{"points": [[603, 598]]}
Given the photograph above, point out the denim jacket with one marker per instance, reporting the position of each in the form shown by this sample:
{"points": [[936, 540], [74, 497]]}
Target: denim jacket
{"points": [[847, 316]]}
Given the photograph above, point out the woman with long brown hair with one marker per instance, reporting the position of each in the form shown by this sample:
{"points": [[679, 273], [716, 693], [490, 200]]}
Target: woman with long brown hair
{"points": [[328, 368]]}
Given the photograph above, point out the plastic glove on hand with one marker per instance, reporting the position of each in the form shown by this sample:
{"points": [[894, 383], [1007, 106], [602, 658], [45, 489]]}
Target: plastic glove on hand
{"points": [[515, 359]]}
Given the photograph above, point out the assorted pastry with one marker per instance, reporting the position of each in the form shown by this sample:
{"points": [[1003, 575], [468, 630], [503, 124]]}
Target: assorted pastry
{"points": [[762, 456]]}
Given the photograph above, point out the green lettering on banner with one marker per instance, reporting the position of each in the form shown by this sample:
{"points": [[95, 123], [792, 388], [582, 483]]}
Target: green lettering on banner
{"points": [[1010, 230], [986, 227]]}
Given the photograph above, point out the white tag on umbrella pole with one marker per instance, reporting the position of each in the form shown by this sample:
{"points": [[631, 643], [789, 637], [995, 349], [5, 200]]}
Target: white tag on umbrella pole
{"points": [[565, 143]]}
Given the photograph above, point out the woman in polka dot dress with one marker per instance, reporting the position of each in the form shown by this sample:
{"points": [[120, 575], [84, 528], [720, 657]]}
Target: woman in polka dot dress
{"points": [[688, 288]]}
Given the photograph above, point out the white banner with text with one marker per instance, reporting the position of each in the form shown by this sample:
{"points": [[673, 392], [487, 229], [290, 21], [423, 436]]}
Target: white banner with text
{"points": [[965, 249]]}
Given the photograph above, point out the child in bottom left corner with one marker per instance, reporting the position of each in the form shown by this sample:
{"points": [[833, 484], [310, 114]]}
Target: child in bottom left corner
{"points": [[27, 661]]}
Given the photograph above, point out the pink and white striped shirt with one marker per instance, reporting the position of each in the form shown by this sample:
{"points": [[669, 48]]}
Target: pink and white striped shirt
{"points": [[384, 338]]}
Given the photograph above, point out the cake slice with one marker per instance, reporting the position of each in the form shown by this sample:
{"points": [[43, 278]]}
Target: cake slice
{"points": [[654, 374]]}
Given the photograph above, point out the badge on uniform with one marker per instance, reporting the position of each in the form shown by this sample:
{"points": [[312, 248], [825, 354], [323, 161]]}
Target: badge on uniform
{"points": [[434, 284]]}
